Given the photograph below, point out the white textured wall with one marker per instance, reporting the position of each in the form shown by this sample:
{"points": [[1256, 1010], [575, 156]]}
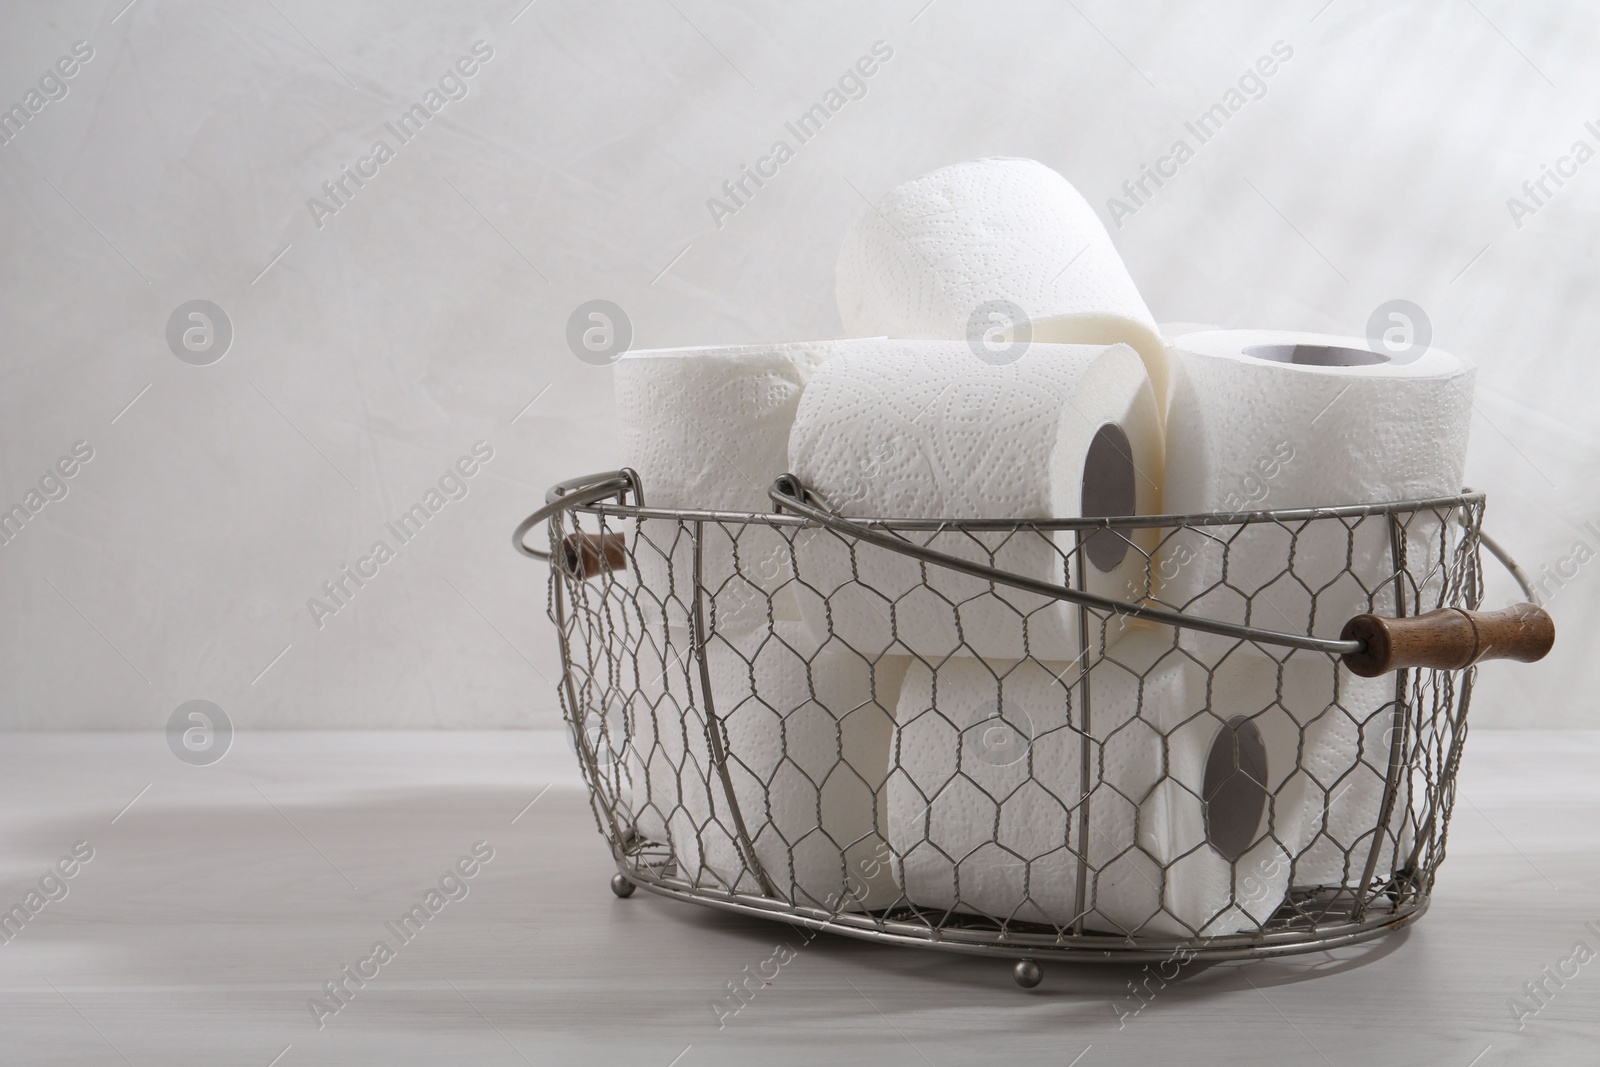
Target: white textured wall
{"points": [[423, 316]]}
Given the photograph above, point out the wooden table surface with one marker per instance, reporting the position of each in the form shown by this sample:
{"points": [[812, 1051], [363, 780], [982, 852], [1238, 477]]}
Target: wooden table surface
{"points": [[221, 901]]}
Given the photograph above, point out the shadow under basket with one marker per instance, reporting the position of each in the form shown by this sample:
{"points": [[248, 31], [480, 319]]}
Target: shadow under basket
{"points": [[1219, 736]]}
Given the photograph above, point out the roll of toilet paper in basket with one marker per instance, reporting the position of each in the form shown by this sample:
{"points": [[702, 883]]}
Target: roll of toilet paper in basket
{"points": [[1225, 807], [1191, 810], [790, 790], [927, 430], [808, 728], [665, 759], [708, 430], [967, 250], [804, 751], [984, 787], [1274, 420]]}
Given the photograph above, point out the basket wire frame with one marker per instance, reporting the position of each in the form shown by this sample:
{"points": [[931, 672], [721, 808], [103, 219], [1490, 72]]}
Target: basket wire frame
{"points": [[691, 809]]}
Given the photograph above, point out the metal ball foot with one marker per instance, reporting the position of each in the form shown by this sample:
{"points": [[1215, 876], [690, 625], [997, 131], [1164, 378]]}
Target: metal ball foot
{"points": [[1403, 882], [1027, 973], [624, 889]]}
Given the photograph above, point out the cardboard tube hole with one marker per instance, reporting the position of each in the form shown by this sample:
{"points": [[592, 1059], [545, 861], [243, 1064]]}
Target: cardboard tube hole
{"points": [[1235, 790], [1108, 489], [1316, 355]]}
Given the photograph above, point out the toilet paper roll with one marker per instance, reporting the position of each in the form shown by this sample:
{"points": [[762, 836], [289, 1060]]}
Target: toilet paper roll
{"points": [[1195, 798], [1229, 813], [708, 429], [1326, 736], [1136, 692], [1269, 419], [666, 758], [924, 429], [805, 729], [965, 248], [984, 788], [1347, 757], [808, 727]]}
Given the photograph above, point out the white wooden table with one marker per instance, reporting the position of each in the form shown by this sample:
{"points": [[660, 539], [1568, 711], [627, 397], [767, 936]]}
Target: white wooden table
{"points": [[220, 902]]}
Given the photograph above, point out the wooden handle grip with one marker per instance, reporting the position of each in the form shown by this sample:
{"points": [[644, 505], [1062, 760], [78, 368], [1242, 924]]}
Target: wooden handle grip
{"points": [[1449, 639], [587, 555]]}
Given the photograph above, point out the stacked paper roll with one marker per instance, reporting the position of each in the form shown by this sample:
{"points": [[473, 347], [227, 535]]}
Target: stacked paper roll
{"points": [[988, 803], [707, 429], [1347, 757], [1264, 419], [807, 728], [984, 790], [965, 250], [668, 766], [790, 791], [1228, 813], [925, 429], [1211, 761]]}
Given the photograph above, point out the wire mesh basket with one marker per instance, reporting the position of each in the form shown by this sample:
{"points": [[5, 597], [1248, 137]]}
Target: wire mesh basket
{"points": [[1230, 735]]}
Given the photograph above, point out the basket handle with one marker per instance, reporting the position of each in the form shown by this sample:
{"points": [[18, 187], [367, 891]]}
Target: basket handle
{"points": [[1449, 639], [1525, 632], [789, 494]]}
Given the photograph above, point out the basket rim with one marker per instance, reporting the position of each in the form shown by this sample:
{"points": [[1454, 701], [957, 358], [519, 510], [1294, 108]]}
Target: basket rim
{"points": [[1468, 497], [585, 495]]}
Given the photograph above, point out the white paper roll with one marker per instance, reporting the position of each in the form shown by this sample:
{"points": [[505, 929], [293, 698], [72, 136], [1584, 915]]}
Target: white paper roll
{"points": [[937, 249], [925, 429], [1228, 813], [983, 789], [1347, 757], [808, 727], [708, 429], [1271, 420], [986, 793], [672, 794], [1265, 419], [806, 730]]}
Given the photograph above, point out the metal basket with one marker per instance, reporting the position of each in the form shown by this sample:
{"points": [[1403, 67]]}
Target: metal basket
{"points": [[699, 650]]}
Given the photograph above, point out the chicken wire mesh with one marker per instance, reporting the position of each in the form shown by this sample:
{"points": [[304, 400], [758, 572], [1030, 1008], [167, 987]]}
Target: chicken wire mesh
{"points": [[784, 719]]}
